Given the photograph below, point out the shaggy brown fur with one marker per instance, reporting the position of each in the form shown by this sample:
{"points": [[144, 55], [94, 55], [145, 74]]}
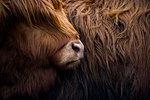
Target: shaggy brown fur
{"points": [[116, 35], [35, 39]]}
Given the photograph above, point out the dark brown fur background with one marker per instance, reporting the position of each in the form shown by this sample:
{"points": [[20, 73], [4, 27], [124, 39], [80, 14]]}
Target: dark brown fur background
{"points": [[116, 35]]}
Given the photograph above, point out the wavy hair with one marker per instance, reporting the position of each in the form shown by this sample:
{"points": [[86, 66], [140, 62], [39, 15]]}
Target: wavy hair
{"points": [[35, 12], [116, 35]]}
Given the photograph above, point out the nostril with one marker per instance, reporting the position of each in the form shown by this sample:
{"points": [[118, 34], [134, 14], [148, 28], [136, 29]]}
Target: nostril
{"points": [[76, 47]]}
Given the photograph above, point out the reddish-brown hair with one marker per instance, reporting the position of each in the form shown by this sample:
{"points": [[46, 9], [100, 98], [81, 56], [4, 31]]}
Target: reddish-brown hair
{"points": [[35, 12], [116, 35]]}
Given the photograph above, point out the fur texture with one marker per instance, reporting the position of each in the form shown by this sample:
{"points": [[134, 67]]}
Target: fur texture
{"points": [[116, 35]]}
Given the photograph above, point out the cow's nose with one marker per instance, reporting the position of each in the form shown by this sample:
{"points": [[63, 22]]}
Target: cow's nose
{"points": [[78, 47]]}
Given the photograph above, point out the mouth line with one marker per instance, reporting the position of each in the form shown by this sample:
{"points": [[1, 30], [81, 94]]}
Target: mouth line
{"points": [[71, 62]]}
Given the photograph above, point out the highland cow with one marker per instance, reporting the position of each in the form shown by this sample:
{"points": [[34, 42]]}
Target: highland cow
{"points": [[36, 42], [116, 36]]}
